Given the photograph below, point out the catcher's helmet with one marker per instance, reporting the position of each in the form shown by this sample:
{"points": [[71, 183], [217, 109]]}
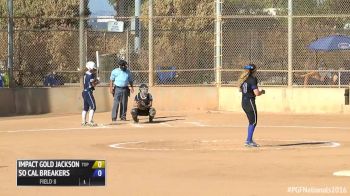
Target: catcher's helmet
{"points": [[143, 86], [143, 89]]}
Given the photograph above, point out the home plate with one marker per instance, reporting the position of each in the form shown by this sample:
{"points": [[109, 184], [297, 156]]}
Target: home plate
{"points": [[342, 173]]}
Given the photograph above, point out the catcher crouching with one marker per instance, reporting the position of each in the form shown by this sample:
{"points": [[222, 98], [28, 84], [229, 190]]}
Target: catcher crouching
{"points": [[143, 104]]}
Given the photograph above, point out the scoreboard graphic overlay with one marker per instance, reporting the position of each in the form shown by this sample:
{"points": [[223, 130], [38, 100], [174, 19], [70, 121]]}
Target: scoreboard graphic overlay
{"points": [[61, 173]]}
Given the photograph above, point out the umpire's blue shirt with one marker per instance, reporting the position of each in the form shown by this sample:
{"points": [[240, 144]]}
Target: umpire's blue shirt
{"points": [[121, 78]]}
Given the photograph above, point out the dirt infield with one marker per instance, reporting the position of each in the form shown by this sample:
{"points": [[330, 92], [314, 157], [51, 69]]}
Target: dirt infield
{"points": [[198, 153]]}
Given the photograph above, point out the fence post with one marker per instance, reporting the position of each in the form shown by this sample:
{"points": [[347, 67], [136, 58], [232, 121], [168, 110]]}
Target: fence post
{"points": [[127, 45], [10, 43], [82, 52], [137, 45], [150, 44], [218, 42], [290, 43]]}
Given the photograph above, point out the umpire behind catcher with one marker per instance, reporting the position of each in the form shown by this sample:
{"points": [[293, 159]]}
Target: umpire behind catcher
{"points": [[143, 104], [119, 87]]}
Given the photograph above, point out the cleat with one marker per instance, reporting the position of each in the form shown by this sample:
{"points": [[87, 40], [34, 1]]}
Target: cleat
{"points": [[123, 119], [114, 119], [83, 124], [136, 120], [150, 119], [251, 144], [92, 124]]}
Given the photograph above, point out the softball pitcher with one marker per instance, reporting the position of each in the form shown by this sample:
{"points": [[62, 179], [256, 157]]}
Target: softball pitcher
{"points": [[248, 85], [90, 81]]}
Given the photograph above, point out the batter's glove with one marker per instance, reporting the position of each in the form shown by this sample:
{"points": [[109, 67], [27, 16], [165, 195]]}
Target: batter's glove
{"points": [[96, 82]]}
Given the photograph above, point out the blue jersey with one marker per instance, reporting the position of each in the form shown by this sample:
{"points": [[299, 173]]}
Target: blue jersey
{"points": [[88, 79], [121, 78], [248, 87]]}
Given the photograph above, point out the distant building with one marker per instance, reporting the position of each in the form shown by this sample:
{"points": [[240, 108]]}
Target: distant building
{"points": [[100, 22]]}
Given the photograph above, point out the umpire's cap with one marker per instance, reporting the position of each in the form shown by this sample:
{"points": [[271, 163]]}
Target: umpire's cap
{"points": [[122, 63]]}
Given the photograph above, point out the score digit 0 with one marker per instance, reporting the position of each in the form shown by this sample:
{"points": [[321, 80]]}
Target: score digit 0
{"points": [[99, 164]]}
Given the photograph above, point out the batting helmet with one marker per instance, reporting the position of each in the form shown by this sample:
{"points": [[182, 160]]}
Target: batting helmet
{"points": [[90, 65]]}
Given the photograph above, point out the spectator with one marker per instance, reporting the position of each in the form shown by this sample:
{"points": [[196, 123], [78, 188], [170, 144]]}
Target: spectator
{"points": [[53, 79], [317, 74], [344, 76], [1, 80], [4, 80]]}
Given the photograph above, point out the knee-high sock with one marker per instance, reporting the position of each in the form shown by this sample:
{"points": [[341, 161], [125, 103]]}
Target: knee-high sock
{"points": [[91, 115], [251, 129], [83, 116]]}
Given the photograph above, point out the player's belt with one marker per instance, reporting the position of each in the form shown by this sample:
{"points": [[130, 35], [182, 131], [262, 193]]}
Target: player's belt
{"points": [[125, 87], [86, 90]]}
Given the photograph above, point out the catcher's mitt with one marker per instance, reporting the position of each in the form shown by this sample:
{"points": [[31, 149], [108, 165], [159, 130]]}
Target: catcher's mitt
{"points": [[141, 105]]}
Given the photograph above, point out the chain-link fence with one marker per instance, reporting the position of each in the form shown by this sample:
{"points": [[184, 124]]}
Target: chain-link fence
{"points": [[184, 42]]}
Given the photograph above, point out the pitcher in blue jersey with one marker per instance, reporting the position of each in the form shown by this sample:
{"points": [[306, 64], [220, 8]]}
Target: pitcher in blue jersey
{"points": [[90, 81], [248, 85]]}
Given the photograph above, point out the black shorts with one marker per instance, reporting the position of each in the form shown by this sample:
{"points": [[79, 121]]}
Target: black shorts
{"points": [[249, 107]]}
